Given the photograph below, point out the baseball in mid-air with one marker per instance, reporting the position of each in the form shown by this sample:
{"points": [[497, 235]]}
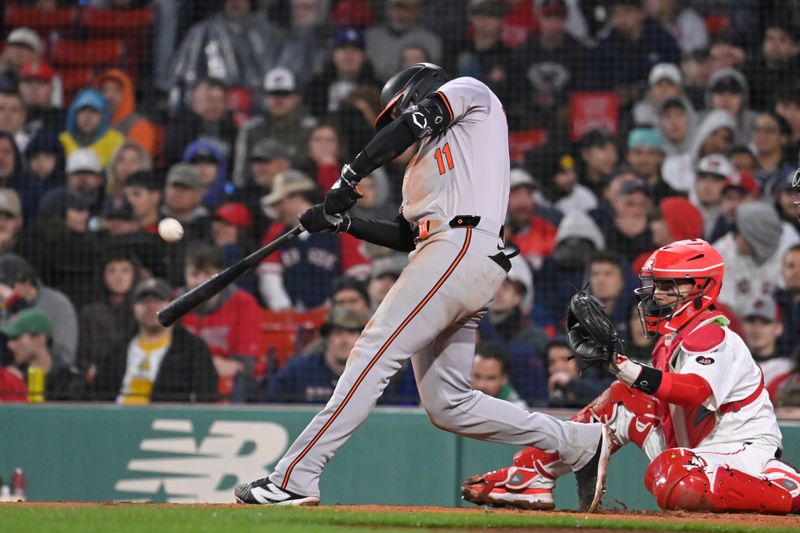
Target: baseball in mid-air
{"points": [[170, 230]]}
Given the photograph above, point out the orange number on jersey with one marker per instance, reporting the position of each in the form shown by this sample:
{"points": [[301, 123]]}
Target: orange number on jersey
{"points": [[440, 160]]}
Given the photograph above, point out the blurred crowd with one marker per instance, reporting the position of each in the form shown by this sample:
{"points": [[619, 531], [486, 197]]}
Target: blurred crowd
{"points": [[632, 123]]}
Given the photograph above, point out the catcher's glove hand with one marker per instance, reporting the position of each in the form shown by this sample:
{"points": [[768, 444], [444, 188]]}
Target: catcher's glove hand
{"points": [[591, 334]]}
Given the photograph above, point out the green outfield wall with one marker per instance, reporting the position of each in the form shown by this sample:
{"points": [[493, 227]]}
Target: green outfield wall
{"points": [[189, 454]]}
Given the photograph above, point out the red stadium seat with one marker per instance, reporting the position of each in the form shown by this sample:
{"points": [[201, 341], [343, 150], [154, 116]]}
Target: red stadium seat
{"points": [[41, 20], [90, 53], [115, 21], [75, 79], [284, 333]]}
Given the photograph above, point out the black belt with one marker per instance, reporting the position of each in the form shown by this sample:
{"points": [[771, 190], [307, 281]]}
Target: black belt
{"points": [[458, 221]]}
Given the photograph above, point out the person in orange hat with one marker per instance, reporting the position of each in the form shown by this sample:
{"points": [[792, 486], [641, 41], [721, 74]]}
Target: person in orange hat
{"points": [[117, 88]]}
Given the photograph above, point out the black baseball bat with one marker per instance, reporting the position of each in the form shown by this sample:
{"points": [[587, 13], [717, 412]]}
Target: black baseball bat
{"points": [[191, 299]]}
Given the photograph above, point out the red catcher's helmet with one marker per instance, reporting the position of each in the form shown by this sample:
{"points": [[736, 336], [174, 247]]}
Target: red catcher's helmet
{"points": [[691, 259]]}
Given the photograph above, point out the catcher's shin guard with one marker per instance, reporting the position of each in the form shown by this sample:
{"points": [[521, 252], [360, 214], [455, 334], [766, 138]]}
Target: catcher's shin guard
{"points": [[678, 480], [526, 485], [786, 476]]}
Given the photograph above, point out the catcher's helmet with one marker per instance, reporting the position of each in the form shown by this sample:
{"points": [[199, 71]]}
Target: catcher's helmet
{"points": [[408, 87], [691, 259]]}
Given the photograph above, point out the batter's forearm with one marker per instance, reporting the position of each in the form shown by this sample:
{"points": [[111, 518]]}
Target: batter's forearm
{"points": [[395, 234], [389, 143]]}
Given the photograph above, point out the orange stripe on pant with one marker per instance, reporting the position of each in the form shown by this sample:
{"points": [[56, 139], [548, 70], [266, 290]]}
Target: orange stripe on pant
{"points": [[378, 355]]}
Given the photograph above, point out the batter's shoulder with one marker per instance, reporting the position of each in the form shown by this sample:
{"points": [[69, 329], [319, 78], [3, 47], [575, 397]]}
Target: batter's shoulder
{"points": [[706, 338]]}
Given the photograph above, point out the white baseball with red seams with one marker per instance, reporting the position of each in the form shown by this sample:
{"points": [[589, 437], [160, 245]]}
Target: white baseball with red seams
{"points": [[170, 230]]}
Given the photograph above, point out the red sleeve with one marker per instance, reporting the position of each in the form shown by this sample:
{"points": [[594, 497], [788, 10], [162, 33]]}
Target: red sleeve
{"points": [[683, 389], [355, 261], [247, 338], [327, 174], [12, 388], [274, 231]]}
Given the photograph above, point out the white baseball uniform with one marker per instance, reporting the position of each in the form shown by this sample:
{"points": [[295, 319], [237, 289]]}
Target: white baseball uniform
{"points": [[431, 313]]}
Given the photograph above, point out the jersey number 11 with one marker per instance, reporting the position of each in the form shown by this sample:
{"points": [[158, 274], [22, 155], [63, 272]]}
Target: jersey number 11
{"points": [[441, 160]]}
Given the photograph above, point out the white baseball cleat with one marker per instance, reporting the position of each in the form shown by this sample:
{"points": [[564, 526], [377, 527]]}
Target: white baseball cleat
{"points": [[264, 492]]}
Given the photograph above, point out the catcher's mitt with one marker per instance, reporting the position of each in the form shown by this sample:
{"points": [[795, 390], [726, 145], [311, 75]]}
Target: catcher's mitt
{"points": [[591, 334]]}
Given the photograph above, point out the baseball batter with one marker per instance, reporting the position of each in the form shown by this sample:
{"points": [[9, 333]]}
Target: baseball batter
{"points": [[701, 413], [455, 193]]}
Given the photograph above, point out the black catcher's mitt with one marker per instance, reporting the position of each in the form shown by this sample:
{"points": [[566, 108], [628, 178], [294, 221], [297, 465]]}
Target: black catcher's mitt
{"points": [[591, 334]]}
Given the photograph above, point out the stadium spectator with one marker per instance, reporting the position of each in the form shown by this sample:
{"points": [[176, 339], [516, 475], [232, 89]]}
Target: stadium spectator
{"points": [[787, 105], [211, 166], [485, 56], [269, 158], [725, 53], [385, 272], [88, 126], [413, 53], [664, 82], [743, 159], [528, 231], [599, 157], [155, 364], [347, 69], [144, 192], [207, 118], [771, 135], [234, 45], [46, 164], [228, 322], [85, 178], [22, 46], [567, 384], [696, 70], [325, 154], [677, 121], [13, 117], [554, 167], [762, 327], [21, 286], [738, 188], [231, 227], [117, 88], [624, 222], [544, 71], [776, 65], [108, 321], [645, 157], [306, 42], [65, 250], [29, 335], [610, 281], [300, 275], [36, 88], [682, 21], [351, 293], [508, 326], [490, 374], [577, 239], [285, 119], [130, 157], [183, 200], [355, 117], [374, 202], [728, 90], [714, 135], [117, 218], [788, 300], [753, 255], [386, 42], [311, 378], [785, 198], [639, 345], [10, 220], [635, 44]]}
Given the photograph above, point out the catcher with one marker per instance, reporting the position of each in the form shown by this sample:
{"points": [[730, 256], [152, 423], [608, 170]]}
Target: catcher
{"points": [[700, 413]]}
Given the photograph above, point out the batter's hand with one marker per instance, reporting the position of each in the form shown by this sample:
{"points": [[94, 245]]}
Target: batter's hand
{"points": [[344, 194], [316, 220]]}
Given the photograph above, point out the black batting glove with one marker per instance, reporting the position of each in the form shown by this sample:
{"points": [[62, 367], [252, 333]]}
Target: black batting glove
{"points": [[316, 220], [344, 193]]}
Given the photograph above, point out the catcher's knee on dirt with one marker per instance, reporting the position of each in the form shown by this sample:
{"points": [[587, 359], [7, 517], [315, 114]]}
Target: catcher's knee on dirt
{"points": [[677, 479]]}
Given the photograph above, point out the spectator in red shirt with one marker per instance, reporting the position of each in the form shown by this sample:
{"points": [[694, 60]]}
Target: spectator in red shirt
{"points": [[532, 234], [227, 322]]}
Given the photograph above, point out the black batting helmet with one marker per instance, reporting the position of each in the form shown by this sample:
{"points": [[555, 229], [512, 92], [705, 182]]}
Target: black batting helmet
{"points": [[408, 87]]}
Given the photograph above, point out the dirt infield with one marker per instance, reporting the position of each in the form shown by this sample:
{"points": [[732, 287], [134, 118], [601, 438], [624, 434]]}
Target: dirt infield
{"points": [[673, 517]]}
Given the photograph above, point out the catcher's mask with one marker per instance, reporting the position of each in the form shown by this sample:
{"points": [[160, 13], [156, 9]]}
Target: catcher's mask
{"points": [[408, 87], [692, 260]]}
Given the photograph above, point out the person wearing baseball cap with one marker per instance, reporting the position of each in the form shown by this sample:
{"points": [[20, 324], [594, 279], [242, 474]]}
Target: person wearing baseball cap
{"points": [[285, 118], [156, 364], [117, 216], [530, 232], [36, 87], [231, 230], [144, 191], [763, 326], [645, 157], [555, 168], [664, 81], [89, 126], [22, 45], [738, 188], [598, 159], [728, 90], [183, 195], [676, 122], [211, 166]]}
